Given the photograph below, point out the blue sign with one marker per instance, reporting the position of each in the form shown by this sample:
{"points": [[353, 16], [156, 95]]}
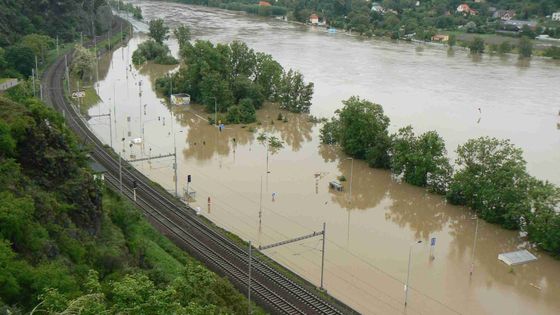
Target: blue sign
{"points": [[433, 241]]}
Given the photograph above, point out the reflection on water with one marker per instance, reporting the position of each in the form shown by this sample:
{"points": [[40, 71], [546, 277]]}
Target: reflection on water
{"points": [[368, 231]]}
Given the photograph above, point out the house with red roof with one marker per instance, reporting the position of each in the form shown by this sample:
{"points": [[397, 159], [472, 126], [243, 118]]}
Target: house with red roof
{"points": [[314, 19], [264, 4], [466, 9]]}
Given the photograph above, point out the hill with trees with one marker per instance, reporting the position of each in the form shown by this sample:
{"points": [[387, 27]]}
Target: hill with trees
{"points": [[68, 244]]}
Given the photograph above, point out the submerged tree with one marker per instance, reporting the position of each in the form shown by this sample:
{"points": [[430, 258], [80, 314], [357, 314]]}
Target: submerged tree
{"points": [[421, 160], [158, 31], [83, 63]]}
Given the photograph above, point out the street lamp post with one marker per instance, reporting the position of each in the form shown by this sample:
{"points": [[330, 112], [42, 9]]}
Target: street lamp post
{"points": [[408, 273], [351, 177], [474, 245], [215, 110], [120, 165]]}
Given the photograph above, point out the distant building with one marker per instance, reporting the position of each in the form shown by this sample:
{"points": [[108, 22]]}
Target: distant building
{"points": [[517, 25], [376, 7], [264, 4], [556, 16], [440, 38], [314, 19], [504, 15], [466, 9]]}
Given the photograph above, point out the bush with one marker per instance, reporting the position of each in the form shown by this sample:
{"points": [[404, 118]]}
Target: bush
{"points": [[491, 179], [361, 129], [505, 47], [477, 46], [421, 160], [150, 50], [553, 52]]}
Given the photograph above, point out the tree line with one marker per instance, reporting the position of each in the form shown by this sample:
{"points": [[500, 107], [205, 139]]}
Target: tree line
{"points": [[235, 80], [489, 175], [30, 30]]}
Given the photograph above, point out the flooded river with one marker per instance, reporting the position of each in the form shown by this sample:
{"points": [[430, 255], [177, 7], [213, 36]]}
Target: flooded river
{"points": [[371, 226]]}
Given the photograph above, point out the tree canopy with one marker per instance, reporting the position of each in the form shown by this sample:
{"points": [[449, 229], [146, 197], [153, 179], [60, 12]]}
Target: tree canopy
{"points": [[221, 76]]}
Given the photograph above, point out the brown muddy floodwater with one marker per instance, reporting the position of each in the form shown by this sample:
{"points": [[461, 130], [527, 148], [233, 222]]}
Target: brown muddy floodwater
{"points": [[369, 231]]}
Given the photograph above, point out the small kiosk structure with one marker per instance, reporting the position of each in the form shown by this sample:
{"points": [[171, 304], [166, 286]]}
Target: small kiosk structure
{"points": [[181, 99], [336, 185], [517, 258], [98, 170]]}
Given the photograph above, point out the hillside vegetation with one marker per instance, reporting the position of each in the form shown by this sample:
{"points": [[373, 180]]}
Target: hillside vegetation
{"points": [[68, 244]]}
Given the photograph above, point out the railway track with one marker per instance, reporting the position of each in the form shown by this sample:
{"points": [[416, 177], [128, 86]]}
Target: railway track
{"points": [[272, 289]]}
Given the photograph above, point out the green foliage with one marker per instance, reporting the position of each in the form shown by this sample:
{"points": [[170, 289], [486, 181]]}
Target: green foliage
{"points": [[83, 63], [40, 44], [491, 176], [476, 46], [504, 47], [222, 76], [183, 35], [21, 59], [151, 50], [491, 179], [553, 52], [127, 7], [62, 251], [360, 128], [525, 47], [294, 94], [452, 40], [244, 113], [158, 31], [421, 160]]}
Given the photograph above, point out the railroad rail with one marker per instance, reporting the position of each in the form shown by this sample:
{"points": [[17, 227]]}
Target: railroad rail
{"points": [[269, 287]]}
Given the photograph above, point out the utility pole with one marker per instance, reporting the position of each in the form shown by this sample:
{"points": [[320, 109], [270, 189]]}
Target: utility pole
{"points": [[249, 281], [81, 39], [36, 68], [323, 254], [351, 173], [120, 165], [67, 74], [176, 178], [408, 272], [314, 234], [33, 80], [474, 245], [260, 206]]}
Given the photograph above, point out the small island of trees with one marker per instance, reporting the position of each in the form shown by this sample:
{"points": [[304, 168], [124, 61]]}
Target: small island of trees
{"points": [[235, 80]]}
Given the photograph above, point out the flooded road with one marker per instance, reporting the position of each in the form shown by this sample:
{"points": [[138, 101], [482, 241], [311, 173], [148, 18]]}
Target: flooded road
{"points": [[369, 231]]}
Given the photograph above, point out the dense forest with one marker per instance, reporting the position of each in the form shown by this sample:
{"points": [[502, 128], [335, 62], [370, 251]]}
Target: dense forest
{"points": [[29, 29]]}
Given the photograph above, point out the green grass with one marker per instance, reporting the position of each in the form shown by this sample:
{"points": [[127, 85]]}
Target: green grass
{"points": [[2, 80]]}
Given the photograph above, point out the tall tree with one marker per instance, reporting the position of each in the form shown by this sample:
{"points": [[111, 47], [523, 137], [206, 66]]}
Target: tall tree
{"points": [[158, 31], [183, 35]]}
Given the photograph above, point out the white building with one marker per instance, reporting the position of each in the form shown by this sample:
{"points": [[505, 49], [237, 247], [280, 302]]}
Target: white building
{"points": [[180, 99], [556, 16]]}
